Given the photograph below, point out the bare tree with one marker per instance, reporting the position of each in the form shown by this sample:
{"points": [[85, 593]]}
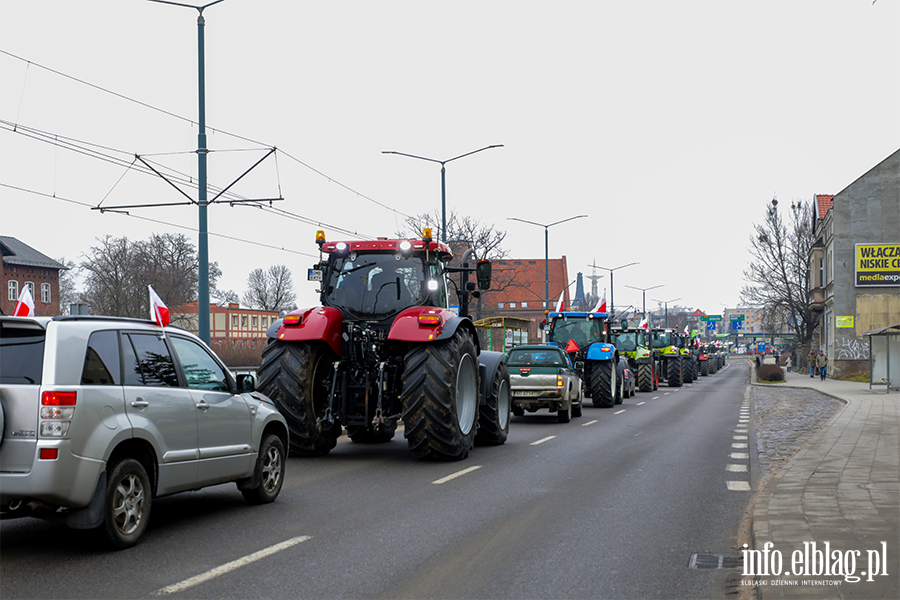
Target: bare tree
{"points": [[118, 272], [68, 294], [272, 289], [778, 275]]}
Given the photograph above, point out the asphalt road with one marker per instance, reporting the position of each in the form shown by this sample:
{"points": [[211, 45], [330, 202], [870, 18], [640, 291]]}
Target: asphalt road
{"points": [[611, 505]]}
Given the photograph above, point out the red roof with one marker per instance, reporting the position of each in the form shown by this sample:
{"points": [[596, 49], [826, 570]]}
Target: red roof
{"points": [[823, 203], [698, 313]]}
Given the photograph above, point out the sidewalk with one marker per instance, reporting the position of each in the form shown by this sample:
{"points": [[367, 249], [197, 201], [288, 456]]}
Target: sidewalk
{"points": [[843, 489]]}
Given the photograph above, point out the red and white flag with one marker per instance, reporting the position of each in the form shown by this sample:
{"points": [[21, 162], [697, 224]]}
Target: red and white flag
{"points": [[560, 301], [159, 312], [25, 305], [685, 330], [601, 305], [644, 324]]}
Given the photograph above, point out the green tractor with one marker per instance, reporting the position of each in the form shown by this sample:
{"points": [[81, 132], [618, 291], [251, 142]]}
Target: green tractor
{"points": [[666, 342], [634, 344], [687, 356]]}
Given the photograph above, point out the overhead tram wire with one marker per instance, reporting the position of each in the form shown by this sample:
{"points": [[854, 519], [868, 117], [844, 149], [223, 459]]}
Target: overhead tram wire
{"points": [[208, 127], [161, 222]]}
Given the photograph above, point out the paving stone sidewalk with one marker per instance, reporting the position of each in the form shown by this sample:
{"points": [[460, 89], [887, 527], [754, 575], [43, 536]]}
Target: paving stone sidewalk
{"points": [[829, 482]]}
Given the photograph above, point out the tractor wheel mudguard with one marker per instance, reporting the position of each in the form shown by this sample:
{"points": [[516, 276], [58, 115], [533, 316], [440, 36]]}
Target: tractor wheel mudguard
{"points": [[319, 323]]}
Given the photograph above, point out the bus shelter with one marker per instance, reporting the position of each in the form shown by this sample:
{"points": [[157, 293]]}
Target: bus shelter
{"points": [[884, 357], [502, 333]]}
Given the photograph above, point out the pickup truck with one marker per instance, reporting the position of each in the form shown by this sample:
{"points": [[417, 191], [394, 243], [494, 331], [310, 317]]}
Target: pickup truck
{"points": [[542, 376]]}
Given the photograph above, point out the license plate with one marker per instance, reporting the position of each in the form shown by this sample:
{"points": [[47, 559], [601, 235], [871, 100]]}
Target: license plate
{"points": [[314, 275], [526, 393]]}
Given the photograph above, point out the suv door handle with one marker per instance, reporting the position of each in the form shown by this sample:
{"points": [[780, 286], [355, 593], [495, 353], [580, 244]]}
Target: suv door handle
{"points": [[140, 403], [202, 405]]}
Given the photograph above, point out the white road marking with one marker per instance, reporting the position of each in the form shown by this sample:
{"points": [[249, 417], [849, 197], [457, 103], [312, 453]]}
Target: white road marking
{"points": [[739, 446], [739, 437], [736, 468], [738, 486], [228, 567], [589, 423], [639, 403], [546, 439], [739, 455], [654, 397], [455, 475], [619, 412], [667, 393]]}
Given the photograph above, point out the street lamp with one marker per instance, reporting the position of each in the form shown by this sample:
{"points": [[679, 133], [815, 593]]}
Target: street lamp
{"points": [[546, 253], [666, 304], [443, 180], [644, 291], [611, 305]]}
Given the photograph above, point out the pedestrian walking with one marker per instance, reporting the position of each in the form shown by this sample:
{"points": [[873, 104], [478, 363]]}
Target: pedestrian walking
{"points": [[822, 364], [787, 363], [757, 362], [811, 359]]}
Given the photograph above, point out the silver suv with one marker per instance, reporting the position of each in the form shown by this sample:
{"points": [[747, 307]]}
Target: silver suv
{"points": [[99, 415]]}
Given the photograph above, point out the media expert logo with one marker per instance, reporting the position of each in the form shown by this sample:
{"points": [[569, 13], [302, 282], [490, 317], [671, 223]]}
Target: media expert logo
{"points": [[877, 265], [812, 561]]}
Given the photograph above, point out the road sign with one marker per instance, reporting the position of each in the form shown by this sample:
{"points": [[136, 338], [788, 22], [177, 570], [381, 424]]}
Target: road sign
{"points": [[711, 318], [710, 325], [735, 325], [736, 317]]}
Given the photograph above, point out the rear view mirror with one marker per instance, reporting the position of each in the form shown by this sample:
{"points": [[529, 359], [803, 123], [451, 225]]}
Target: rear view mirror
{"points": [[483, 274], [246, 383]]}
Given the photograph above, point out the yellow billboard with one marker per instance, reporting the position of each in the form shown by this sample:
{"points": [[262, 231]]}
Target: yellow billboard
{"points": [[877, 265]]}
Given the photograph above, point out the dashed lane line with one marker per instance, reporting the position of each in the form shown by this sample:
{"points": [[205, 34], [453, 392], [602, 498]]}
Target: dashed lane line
{"points": [[739, 455], [738, 486], [589, 423], [619, 412], [546, 439], [736, 468], [639, 403], [228, 567], [455, 475]]}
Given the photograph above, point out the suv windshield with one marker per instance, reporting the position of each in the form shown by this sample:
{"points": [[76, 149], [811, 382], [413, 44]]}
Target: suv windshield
{"points": [[21, 355], [376, 285], [581, 331]]}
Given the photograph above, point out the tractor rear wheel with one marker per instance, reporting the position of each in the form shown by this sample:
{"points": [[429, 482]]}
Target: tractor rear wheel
{"points": [[645, 377], [440, 397], [704, 368], [674, 375], [493, 418], [297, 377], [688, 370], [602, 382]]}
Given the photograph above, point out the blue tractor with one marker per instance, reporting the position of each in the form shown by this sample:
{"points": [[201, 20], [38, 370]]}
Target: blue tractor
{"points": [[585, 337]]}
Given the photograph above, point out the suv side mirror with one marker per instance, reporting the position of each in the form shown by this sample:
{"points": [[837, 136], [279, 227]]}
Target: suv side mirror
{"points": [[483, 274], [246, 383]]}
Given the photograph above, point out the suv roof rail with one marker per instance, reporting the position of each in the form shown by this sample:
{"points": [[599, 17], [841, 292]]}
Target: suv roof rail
{"points": [[106, 318]]}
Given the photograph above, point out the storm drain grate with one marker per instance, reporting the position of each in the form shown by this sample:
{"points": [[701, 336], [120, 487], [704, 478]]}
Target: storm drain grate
{"points": [[708, 560]]}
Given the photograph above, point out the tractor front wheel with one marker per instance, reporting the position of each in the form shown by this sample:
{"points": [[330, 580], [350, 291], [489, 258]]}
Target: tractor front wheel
{"points": [[645, 377], [602, 382]]}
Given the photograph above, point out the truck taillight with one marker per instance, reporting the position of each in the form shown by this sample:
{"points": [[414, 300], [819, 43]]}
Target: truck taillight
{"points": [[430, 320], [291, 321], [58, 398], [559, 381]]}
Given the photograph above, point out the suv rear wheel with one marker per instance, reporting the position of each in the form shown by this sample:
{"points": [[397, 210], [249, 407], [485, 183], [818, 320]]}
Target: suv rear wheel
{"points": [[127, 506]]}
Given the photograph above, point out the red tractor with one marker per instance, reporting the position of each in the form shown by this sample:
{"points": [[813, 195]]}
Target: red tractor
{"points": [[385, 346]]}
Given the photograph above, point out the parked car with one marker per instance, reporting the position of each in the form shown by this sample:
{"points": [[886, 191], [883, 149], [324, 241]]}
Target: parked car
{"points": [[100, 415], [543, 377]]}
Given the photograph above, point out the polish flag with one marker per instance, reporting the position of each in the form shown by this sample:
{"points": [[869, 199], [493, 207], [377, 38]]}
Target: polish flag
{"points": [[601, 305], [685, 330], [560, 301], [25, 305], [159, 312], [644, 324]]}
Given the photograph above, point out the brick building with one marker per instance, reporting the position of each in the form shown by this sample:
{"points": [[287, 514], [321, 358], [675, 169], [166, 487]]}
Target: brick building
{"points": [[24, 266], [230, 325]]}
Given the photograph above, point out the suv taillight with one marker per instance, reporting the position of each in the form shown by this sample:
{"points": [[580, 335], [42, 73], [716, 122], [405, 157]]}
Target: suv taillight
{"points": [[57, 410], [59, 398]]}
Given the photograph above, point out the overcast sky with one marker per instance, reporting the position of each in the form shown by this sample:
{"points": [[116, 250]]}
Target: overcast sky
{"points": [[671, 124]]}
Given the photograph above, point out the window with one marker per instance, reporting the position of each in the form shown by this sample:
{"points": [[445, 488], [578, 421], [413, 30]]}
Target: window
{"points": [[821, 273], [243, 320], [30, 287], [101, 362], [524, 305], [234, 320], [45, 293], [13, 290], [499, 305], [265, 322], [148, 362], [21, 356], [200, 369], [254, 320], [512, 304]]}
